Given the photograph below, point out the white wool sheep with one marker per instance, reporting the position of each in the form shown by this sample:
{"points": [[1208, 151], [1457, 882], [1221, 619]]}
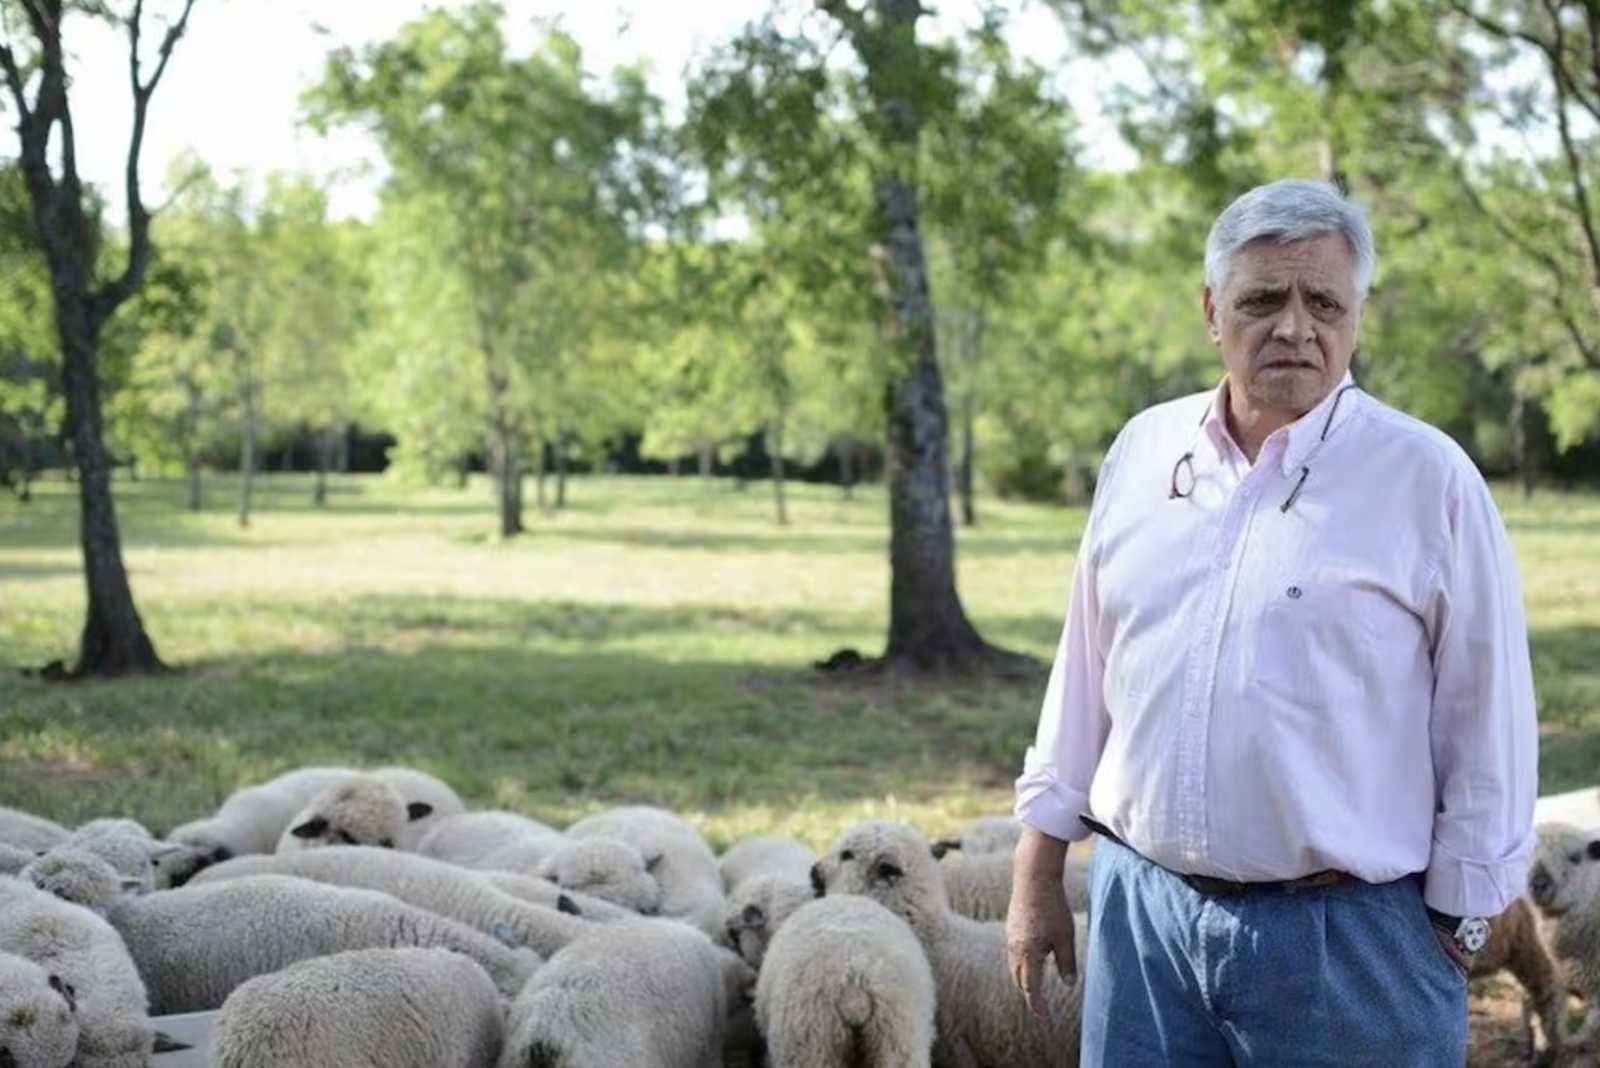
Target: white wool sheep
{"points": [[757, 908], [253, 818], [606, 868], [26, 831], [196, 945], [772, 854], [537, 891], [78, 946], [1564, 883], [470, 837], [361, 811], [13, 860], [401, 1008], [1516, 946], [674, 852], [38, 1016], [984, 835], [420, 788], [78, 877], [979, 887], [846, 982], [127, 846], [642, 993], [458, 894], [982, 1022]]}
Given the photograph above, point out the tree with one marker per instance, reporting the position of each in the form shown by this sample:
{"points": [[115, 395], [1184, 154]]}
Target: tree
{"points": [[114, 641], [776, 125]]}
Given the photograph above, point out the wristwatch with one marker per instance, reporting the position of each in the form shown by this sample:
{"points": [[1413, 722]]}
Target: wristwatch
{"points": [[1469, 933]]}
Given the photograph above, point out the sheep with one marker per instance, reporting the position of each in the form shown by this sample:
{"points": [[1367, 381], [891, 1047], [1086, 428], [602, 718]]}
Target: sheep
{"points": [[13, 860], [38, 1016], [757, 908], [846, 982], [543, 892], [606, 868], [1564, 883], [361, 811], [985, 835], [468, 838], [26, 831], [253, 818], [981, 1021], [1516, 946], [85, 952], [455, 893], [78, 877], [643, 993], [401, 1008], [766, 855], [196, 945], [125, 845], [979, 887], [674, 852]]}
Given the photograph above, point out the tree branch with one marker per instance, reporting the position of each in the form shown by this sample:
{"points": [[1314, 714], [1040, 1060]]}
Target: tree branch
{"points": [[1551, 51], [110, 296], [14, 81], [853, 21], [1580, 192]]}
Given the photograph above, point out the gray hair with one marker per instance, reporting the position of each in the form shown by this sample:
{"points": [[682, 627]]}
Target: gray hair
{"points": [[1290, 210]]}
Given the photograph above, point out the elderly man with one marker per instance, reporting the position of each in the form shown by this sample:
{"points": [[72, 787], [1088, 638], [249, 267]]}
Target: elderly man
{"points": [[1292, 698]]}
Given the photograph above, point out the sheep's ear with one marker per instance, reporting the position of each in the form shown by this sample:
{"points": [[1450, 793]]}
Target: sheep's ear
{"points": [[567, 905], [943, 846], [166, 851], [753, 918], [819, 888], [1594, 849], [417, 810], [887, 872], [652, 862], [128, 884], [64, 988], [310, 828]]}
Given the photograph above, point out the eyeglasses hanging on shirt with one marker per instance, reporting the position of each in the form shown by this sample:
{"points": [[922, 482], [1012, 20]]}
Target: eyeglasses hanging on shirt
{"points": [[1186, 461]]}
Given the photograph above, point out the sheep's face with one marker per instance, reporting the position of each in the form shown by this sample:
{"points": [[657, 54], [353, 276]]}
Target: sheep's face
{"points": [[755, 912], [188, 857], [362, 812], [888, 862], [38, 1017], [78, 877], [609, 869], [1565, 873]]}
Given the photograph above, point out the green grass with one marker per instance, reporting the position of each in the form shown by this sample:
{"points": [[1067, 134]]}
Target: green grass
{"points": [[650, 643]]}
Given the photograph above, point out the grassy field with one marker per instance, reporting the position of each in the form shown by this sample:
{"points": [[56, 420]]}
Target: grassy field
{"points": [[650, 643]]}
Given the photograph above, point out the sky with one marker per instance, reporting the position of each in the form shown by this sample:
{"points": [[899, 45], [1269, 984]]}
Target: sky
{"points": [[231, 92]]}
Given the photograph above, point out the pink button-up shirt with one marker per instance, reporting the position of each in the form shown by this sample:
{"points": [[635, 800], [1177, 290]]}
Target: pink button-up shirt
{"points": [[1257, 694]]}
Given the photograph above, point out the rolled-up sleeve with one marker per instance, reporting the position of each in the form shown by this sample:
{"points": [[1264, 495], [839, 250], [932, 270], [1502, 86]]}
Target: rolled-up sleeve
{"points": [[1484, 725], [1053, 789]]}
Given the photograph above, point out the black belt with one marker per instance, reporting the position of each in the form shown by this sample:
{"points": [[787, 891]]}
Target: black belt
{"points": [[1206, 884]]}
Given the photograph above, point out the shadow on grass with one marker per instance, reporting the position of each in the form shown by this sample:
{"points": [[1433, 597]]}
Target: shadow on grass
{"points": [[551, 732], [790, 540]]}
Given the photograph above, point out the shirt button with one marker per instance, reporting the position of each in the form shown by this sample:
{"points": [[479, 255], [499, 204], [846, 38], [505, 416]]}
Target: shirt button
{"points": [[1294, 592]]}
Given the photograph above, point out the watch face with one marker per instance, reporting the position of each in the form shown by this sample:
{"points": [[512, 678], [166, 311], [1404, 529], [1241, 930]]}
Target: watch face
{"points": [[1473, 934]]}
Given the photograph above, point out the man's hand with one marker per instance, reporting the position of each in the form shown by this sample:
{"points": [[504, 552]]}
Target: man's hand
{"points": [[1038, 923]]}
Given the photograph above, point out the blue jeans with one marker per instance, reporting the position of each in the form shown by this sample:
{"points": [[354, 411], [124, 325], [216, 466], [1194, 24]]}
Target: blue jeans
{"points": [[1343, 975]]}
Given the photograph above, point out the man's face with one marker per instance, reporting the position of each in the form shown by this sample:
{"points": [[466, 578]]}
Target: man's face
{"points": [[1286, 321]]}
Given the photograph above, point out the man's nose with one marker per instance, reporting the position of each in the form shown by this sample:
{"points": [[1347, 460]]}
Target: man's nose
{"points": [[1293, 323]]}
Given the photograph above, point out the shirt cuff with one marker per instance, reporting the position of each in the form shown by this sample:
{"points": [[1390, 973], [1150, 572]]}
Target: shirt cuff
{"points": [[1049, 806], [1460, 887]]}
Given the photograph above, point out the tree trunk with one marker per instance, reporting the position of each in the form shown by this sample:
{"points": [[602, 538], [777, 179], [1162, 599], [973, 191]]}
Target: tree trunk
{"points": [[508, 481], [544, 463], [341, 456], [777, 470], [191, 440], [561, 470], [463, 470], [1526, 468], [969, 514], [247, 453], [705, 461], [114, 641], [672, 467], [847, 466]]}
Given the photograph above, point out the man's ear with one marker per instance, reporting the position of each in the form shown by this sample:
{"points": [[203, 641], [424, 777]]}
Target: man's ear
{"points": [[1209, 308]]}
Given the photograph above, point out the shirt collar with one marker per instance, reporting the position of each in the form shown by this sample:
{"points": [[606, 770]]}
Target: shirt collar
{"points": [[1304, 434]]}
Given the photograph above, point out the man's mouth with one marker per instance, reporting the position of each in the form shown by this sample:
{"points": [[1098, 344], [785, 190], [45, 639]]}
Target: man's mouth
{"points": [[1291, 365]]}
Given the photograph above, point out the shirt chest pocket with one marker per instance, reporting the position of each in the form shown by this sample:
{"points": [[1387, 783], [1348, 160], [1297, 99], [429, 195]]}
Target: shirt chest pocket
{"points": [[1319, 645]]}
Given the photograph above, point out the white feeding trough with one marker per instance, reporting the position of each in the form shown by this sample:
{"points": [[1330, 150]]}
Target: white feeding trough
{"points": [[191, 1030], [1577, 808]]}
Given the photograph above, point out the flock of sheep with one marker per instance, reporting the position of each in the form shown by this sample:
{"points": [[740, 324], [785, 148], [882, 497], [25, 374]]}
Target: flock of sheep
{"points": [[341, 918]]}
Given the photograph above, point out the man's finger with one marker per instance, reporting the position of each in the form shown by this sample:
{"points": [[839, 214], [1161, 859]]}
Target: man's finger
{"points": [[1066, 959], [1031, 974]]}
